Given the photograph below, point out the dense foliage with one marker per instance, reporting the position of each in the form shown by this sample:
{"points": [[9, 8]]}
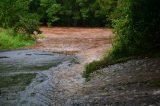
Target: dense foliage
{"points": [[25, 14], [136, 25], [15, 14], [73, 12]]}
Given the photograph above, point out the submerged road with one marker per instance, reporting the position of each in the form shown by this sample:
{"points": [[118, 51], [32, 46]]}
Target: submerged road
{"points": [[50, 72]]}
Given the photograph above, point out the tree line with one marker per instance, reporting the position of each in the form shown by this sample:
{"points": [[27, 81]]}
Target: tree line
{"points": [[29, 14], [136, 24], [73, 12]]}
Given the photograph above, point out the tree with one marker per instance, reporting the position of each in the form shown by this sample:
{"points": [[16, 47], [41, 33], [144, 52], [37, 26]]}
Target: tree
{"points": [[107, 9], [15, 14], [52, 13], [73, 12], [137, 27]]}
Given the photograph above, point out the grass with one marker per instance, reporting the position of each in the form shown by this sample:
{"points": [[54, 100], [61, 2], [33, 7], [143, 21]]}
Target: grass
{"points": [[17, 80], [106, 61], [12, 40]]}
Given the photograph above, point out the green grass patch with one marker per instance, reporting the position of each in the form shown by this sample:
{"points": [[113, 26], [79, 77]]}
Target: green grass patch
{"points": [[17, 80], [12, 40], [106, 61]]}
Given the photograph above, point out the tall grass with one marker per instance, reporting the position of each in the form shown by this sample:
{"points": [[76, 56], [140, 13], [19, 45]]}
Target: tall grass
{"points": [[12, 40]]}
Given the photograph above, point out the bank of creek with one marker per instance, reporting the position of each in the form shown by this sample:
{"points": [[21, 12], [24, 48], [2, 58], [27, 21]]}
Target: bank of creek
{"points": [[50, 73]]}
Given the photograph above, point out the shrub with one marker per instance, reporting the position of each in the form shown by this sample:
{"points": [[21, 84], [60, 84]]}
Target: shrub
{"points": [[27, 24]]}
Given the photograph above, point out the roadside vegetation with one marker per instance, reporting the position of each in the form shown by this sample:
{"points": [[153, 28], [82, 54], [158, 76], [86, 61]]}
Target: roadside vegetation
{"points": [[136, 25], [12, 40], [17, 24]]}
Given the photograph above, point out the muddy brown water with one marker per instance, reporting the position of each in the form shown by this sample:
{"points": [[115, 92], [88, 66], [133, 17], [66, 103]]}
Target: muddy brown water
{"points": [[54, 64], [75, 40]]}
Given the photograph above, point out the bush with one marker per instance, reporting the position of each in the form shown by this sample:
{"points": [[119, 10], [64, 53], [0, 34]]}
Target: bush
{"points": [[27, 24]]}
